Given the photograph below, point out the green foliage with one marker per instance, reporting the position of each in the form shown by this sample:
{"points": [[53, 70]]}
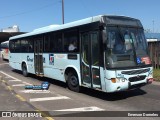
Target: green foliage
{"points": [[156, 74]]}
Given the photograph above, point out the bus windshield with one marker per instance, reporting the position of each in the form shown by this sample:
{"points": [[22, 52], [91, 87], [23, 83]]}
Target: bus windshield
{"points": [[126, 47], [4, 45]]}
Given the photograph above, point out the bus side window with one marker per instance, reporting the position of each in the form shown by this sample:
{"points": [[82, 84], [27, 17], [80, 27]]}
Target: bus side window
{"points": [[52, 42], [58, 42], [71, 41], [11, 46], [47, 42], [17, 47], [30, 45], [24, 46]]}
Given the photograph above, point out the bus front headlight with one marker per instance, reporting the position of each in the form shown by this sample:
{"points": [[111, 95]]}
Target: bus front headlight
{"points": [[121, 79]]}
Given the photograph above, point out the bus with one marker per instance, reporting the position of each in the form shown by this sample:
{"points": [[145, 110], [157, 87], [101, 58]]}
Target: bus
{"points": [[4, 50], [110, 53]]}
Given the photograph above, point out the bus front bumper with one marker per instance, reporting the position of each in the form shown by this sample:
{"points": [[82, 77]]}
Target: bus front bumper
{"points": [[122, 86], [133, 86]]}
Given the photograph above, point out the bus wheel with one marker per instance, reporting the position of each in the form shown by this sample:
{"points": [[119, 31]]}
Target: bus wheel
{"points": [[24, 70], [73, 82]]}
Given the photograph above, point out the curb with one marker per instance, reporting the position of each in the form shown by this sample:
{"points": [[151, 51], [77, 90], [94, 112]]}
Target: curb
{"points": [[155, 83]]}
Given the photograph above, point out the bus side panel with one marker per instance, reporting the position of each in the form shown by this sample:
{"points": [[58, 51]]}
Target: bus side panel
{"points": [[4, 53], [11, 60], [15, 60], [49, 67], [4, 49], [102, 76], [28, 58], [55, 65]]}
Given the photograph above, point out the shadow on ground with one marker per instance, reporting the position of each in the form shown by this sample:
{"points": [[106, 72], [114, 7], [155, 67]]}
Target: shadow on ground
{"points": [[94, 93]]}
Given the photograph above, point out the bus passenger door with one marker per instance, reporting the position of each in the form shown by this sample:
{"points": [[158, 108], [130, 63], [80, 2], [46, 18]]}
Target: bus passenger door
{"points": [[38, 56], [90, 59]]}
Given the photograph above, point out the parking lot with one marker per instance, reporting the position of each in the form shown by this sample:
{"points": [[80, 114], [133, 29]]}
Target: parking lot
{"points": [[59, 100]]}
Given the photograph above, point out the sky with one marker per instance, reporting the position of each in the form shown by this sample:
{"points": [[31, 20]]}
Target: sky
{"points": [[33, 14]]}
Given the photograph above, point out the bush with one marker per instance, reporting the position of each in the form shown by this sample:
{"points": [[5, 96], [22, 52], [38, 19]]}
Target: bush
{"points": [[156, 74]]}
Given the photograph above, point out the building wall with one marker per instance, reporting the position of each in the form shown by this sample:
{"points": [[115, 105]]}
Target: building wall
{"points": [[154, 50], [15, 28]]}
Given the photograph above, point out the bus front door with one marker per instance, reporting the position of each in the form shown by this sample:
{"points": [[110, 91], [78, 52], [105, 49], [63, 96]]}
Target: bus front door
{"points": [[38, 56], [90, 59]]}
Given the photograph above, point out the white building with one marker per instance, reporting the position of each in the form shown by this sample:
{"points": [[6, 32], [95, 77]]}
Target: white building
{"points": [[15, 28]]}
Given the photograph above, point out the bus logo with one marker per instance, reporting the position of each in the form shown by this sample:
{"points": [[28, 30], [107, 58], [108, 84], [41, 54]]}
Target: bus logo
{"points": [[51, 59]]}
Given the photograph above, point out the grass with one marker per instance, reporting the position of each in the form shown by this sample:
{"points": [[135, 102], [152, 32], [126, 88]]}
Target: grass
{"points": [[156, 74]]}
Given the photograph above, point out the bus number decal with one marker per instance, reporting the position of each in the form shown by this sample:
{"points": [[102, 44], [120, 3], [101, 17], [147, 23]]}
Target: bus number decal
{"points": [[120, 75], [51, 59]]}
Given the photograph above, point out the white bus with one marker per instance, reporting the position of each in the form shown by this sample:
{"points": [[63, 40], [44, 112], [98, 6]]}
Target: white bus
{"points": [[110, 53], [4, 50]]}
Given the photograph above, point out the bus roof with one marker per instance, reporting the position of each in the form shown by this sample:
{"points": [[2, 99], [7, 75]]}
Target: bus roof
{"points": [[69, 25], [5, 42]]}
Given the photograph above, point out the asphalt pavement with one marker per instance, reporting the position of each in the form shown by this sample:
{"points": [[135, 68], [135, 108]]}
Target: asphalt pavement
{"points": [[58, 100]]}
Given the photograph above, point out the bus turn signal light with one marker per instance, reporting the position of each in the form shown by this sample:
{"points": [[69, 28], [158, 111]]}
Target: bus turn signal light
{"points": [[113, 80]]}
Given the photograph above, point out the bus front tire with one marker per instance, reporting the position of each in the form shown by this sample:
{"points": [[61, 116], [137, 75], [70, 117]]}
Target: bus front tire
{"points": [[73, 82], [24, 70]]}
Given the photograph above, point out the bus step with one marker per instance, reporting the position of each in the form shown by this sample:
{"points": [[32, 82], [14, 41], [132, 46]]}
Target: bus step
{"points": [[40, 75]]}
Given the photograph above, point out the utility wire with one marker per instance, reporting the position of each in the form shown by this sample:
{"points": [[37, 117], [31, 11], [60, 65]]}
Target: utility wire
{"points": [[29, 11]]}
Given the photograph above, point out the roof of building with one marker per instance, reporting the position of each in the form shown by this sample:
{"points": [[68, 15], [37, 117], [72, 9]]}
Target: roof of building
{"points": [[152, 35], [4, 36]]}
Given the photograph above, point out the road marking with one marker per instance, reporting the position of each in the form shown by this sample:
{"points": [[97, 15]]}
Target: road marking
{"points": [[6, 77], [9, 75], [9, 88], [14, 80], [45, 115], [26, 83], [18, 85], [20, 97], [92, 108], [4, 81], [35, 91], [4, 63], [48, 98]]}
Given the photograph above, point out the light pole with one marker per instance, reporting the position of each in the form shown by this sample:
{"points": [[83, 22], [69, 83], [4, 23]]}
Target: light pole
{"points": [[63, 11], [153, 26]]}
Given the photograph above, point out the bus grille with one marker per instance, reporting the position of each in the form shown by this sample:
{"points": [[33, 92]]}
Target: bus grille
{"points": [[133, 72], [137, 78]]}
